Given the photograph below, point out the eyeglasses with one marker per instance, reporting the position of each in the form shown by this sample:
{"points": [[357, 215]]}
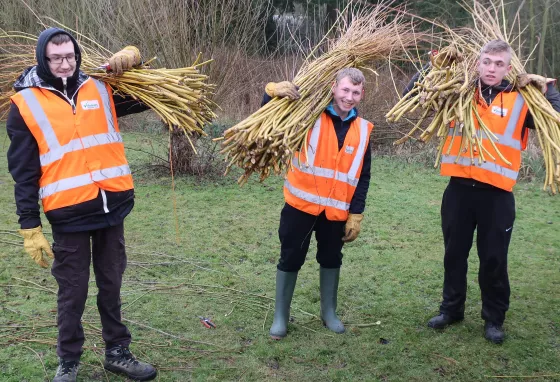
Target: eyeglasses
{"points": [[57, 60]]}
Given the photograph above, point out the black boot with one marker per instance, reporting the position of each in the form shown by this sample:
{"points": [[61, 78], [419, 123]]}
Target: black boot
{"points": [[285, 284], [67, 371], [120, 360], [442, 320], [494, 332], [328, 280]]}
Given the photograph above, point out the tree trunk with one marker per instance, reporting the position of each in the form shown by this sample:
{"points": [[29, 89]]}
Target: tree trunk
{"points": [[531, 68], [541, 57]]}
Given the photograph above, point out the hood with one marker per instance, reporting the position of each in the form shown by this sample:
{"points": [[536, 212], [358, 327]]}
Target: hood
{"points": [[31, 79], [43, 70]]}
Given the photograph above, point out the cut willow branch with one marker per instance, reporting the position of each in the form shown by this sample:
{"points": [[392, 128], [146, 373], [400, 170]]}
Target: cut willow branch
{"points": [[181, 97], [266, 141]]}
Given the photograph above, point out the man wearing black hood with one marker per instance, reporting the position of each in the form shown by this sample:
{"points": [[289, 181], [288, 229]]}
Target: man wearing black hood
{"points": [[66, 149], [479, 195]]}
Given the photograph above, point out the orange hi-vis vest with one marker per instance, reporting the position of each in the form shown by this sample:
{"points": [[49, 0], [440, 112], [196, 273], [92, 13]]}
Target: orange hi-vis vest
{"points": [[505, 118], [80, 146], [323, 178]]}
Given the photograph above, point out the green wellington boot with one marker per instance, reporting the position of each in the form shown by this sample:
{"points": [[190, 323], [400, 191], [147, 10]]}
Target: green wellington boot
{"points": [[329, 287], [285, 284]]}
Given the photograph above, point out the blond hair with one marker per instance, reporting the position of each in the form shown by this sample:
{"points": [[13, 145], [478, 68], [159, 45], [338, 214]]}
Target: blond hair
{"points": [[355, 75], [496, 46]]}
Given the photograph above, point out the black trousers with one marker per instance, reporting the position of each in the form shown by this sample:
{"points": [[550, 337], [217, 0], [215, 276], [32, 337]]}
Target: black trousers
{"points": [[296, 228], [72, 256], [491, 212]]}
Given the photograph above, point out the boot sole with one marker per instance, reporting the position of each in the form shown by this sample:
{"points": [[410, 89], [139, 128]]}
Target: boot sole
{"points": [[277, 337], [496, 342], [334, 331], [116, 370]]}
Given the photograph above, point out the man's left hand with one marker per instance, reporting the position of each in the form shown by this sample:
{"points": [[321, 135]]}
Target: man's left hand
{"points": [[125, 59], [525, 79], [352, 227]]}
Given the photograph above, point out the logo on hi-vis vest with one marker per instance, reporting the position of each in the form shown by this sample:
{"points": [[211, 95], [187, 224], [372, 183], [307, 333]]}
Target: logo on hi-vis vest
{"points": [[90, 105], [349, 149], [499, 111]]}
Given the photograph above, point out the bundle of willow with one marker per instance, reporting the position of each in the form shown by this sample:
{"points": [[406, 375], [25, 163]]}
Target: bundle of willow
{"points": [[445, 91], [447, 95], [266, 141], [181, 97]]}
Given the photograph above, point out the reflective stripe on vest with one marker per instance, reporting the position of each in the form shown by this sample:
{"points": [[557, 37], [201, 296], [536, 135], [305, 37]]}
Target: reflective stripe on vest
{"points": [[313, 142], [56, 151], [83, 180], [351, 177], [488, 166], [323, 172], [316, 199], [105, 97], [507, 138]]}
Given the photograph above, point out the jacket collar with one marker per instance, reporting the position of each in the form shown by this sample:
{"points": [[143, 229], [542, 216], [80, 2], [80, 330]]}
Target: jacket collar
{"points": [[353, 114], [504, 86], [30, 79]]}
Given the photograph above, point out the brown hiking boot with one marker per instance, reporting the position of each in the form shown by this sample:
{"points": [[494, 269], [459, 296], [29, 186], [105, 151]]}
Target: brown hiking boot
{"points": [[120, 360]]}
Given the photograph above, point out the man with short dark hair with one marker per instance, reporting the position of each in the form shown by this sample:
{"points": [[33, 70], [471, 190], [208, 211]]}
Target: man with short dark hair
{"points": [[479, 195], [66, 149], [325, 192]]}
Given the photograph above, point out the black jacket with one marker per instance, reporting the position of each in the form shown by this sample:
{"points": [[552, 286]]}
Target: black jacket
{"points": [[358, 203], [23, 155]]}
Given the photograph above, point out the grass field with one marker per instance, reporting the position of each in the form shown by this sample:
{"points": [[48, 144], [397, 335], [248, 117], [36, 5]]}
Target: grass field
{"points": [[220, 262]]}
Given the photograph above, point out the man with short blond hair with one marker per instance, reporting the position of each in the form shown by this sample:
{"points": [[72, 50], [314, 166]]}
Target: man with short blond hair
{"points": [[325, 192], [353, 74], [479, 194], [496, 46]]}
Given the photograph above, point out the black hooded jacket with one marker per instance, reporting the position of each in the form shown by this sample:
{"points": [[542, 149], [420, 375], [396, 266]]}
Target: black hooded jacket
{"points": [[23, 153]]}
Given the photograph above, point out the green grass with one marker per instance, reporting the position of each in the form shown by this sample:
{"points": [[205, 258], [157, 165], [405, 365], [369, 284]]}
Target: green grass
{"points": [[223, 265]]}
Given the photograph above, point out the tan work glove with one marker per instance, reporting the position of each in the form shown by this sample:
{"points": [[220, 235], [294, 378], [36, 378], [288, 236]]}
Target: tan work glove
{"points": [[34, 243], [446, 57], [125, 59], [282, 89], [352, 227], [539, 82]]}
